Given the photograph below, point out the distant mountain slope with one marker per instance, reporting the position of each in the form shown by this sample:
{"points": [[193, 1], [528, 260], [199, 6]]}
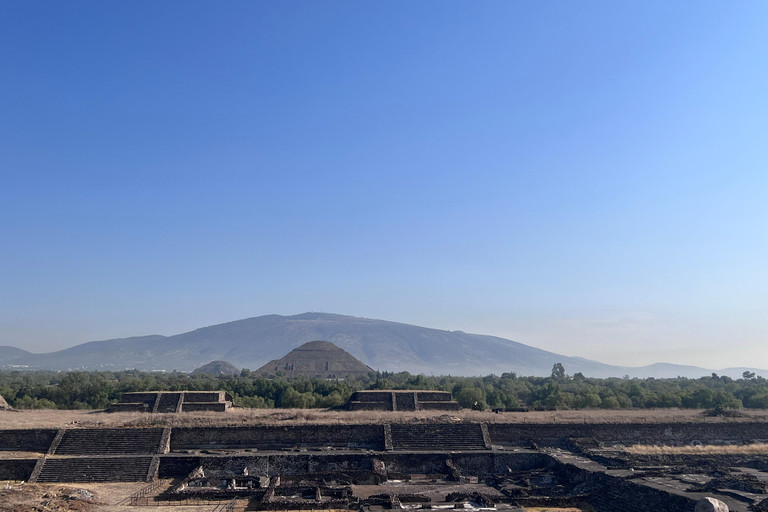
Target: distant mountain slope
{"points": [[380, 344], [9, 354]]}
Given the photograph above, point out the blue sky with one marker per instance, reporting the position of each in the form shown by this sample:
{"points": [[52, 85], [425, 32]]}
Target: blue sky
{"points": [[585, 177]]}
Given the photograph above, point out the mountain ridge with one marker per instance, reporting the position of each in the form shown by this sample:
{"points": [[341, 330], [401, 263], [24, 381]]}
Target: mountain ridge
{"points": [[381, 344]]}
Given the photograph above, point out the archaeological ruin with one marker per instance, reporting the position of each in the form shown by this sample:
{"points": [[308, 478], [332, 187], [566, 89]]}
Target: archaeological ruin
{"points": [[173, 401], [402, 400], [316, 359], [409, 464]]}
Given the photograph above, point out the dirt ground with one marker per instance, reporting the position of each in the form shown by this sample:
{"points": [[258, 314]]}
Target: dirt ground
{"points": [[46, 418], [79, 498], [53, 498]]}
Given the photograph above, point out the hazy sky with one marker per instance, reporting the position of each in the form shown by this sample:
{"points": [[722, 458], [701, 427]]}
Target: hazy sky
{"points": [[586, 177]]}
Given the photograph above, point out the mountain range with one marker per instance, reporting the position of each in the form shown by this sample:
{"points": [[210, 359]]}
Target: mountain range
{"points": [[382, 345]]}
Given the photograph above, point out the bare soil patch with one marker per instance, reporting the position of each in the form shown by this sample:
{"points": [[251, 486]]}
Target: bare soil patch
{"points": [[19, 455], [53, 498]]}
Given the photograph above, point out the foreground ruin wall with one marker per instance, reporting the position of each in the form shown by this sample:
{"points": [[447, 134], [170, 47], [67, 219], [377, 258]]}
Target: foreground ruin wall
{"points": [[477, 464], [671, 434], [373, 436], [614, 494], [27, 440], [275, 438], [16, 469], [454, 453], [173, 401], [402, 400]]}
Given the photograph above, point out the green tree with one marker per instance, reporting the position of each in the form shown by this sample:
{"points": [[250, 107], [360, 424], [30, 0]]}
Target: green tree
{"points": [[471, 398], [558, 372]]}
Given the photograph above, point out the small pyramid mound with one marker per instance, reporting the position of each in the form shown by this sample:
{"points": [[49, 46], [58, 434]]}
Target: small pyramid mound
{"points": [[217, 368], [3, 404], [316, 359]]}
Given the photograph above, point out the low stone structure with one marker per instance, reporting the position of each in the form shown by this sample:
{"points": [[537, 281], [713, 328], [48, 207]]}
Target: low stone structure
{"points": [[173, 401], [402, 400]]}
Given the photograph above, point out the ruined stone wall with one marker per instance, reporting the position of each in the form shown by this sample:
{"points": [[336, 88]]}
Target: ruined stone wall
{"points": [[405, 401], [17, 469], [433, 396], [178, 466], [37, 440], [474, 464], [372, 396], [613, 494], [208, 396], [477, 464], [275, 438], [673, 434]]}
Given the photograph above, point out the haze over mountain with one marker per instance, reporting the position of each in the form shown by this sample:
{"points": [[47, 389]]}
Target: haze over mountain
{"points": [[382, 345]]}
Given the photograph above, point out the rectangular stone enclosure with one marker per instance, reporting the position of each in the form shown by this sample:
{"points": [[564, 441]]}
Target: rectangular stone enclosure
{"points": [[402, 400], [173, 401]]}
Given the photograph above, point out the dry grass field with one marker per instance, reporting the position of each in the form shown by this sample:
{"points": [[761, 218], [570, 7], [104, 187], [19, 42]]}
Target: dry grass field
{"points": [[47, 418], [747, 449]]}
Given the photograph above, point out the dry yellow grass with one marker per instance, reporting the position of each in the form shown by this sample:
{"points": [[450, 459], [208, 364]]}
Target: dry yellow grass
{"points": [[746, 449], [47, 418]]}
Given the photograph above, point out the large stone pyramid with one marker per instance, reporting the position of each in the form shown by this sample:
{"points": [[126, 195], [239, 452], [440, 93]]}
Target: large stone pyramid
{"points": [[316, 359]]}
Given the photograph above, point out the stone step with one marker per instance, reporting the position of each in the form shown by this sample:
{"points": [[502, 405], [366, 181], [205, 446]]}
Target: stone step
{"points": [[167, 402], [110, 441], [95, 469], [440, 437]]}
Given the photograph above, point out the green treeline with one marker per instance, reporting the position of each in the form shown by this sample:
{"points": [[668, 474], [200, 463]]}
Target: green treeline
{"points": [[96, 390]]}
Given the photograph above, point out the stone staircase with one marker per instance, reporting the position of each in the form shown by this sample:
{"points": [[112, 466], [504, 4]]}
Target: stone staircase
{"points": [[95, 469], [168, 402], [110, 441], [458, 436], [405, 402]]}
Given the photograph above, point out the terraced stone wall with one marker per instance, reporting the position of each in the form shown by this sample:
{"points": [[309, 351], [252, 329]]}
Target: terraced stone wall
{"points": [[212, 396], [476, 464], [32, 440], [372, 396], [673, 434], [17, 469], [275, 438], [433, 396]]}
